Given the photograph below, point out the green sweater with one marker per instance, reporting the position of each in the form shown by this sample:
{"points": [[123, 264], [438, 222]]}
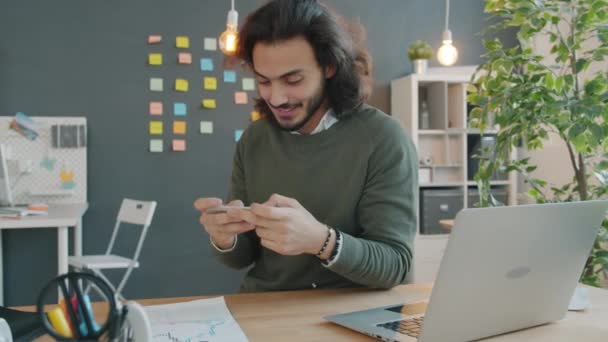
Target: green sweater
{"points": [[359, 176]]}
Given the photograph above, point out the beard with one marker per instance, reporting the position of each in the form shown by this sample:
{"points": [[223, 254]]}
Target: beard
{"points": [[315, 103]]}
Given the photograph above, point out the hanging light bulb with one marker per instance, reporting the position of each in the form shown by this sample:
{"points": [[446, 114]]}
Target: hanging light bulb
{"points": [[447, 54], [228, 39]]}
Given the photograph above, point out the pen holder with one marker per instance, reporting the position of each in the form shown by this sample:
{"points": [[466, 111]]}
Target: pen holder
{"points": [[73, 318]]}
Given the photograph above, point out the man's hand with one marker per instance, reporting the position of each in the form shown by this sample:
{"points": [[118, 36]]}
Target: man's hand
{"points": [[284, 226], [222, 228]]}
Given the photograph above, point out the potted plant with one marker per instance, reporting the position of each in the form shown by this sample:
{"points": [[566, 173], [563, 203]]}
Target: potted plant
{"points": [[531, 97], [419, 52]]}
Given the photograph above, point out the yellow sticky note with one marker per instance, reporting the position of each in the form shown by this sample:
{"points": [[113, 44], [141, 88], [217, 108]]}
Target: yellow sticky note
{"points": [[210, 83], [181, 84], [156, 127], [155, 59], [182, 42], [209, 104], [179, 127], [179, 145]]}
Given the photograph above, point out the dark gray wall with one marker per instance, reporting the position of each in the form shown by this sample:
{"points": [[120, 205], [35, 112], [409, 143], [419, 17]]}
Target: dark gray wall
{"points": [[74, 57]]}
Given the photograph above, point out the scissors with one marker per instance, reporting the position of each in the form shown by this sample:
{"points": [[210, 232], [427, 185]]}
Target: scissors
{"points": [[72, 319]]}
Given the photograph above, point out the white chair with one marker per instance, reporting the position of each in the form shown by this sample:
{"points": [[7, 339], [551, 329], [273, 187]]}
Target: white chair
{"points": [[133, 212]]}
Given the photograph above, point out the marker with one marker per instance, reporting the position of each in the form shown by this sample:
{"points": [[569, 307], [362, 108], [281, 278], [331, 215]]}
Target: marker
{"points": [[59, 323]]}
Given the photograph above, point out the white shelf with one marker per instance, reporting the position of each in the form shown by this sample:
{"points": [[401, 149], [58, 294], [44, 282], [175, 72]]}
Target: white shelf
{"points": [[494, 182], [440, 131], [445, 166], [446, 144], [439, 185], [62, 193]]}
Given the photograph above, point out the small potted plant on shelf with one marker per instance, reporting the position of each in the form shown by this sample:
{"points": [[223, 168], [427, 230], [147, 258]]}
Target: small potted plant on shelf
{"points": [[419, 53]]}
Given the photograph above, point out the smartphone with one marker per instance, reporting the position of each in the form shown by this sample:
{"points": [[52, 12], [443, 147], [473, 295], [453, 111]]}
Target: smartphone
{"points": [[224, 208]]}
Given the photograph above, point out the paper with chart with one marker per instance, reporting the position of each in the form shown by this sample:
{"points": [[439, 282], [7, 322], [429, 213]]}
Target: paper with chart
{"points": [[194, 321]]}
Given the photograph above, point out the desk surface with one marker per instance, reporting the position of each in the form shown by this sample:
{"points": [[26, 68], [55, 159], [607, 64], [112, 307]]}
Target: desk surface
{"points": [[297, 315], [59, 215]]}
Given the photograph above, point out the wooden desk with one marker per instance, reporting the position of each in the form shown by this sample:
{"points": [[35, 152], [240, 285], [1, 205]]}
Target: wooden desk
{"points": [[297, 315], [446, 224], [60, 217]]}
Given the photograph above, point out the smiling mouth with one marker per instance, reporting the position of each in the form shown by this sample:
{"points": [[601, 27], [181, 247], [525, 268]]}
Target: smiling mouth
{"points": [[286, 113]]}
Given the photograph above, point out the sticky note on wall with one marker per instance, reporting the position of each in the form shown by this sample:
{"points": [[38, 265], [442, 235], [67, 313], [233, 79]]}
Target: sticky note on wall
{"points": [[240, 97], [210, 44], [155, 59], [255, 116], [181, 84], [156, 84], [156, 108], [237, 134], [210, 83], [179, 127], [209, 104], [179, 145], [229, 76], [156, 127], [184, 58], [206, 64], [179, 109], [156, 145], [182, 42], [206, 127], [248, 84], [154, 39]]}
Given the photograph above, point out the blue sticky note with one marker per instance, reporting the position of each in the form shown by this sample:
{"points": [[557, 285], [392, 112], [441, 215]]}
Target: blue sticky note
{"points": [[237, 134], [179, 108], [229, 76], [206, 64]]}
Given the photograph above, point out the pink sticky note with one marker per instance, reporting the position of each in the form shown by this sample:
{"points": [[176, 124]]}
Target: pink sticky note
{"points": [[156, 108], [179, 145], [240, 97], [184, 58], [154, 39]]}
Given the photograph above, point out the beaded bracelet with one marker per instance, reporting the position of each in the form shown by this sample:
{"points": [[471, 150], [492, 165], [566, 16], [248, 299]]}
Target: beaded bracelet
{"points": [[326, 242]]}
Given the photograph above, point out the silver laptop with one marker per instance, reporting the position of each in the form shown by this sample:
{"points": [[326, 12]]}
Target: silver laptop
{"points": [[504, 269]]}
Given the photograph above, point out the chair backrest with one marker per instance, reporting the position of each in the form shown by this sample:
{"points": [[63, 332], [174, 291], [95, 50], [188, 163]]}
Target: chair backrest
{"points": [[136, 212]]}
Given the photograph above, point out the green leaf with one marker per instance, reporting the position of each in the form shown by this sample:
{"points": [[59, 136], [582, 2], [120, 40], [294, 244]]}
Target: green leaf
{"points": [[582, 65], [549, 82]]}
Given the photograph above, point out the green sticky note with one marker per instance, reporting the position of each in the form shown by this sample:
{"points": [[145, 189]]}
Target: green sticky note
{"points": [[248, 84], [206, 127], [156, 145]]}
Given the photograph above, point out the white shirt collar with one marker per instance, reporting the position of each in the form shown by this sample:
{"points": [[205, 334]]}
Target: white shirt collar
{"points": [[328, 120]]}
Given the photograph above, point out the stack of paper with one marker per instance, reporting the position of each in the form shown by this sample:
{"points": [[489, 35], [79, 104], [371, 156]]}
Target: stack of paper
{"points": [[199, 320], [19, 212]]}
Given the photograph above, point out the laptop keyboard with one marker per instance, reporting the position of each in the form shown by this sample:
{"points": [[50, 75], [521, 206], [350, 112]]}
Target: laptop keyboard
{"points": [[410, 326]]}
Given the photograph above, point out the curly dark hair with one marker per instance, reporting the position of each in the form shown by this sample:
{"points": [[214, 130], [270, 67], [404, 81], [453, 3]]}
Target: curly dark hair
{"points": [[335, 42]]}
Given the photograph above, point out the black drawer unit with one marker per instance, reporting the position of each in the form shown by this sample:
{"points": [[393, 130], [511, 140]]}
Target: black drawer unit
{"points": [[436, 205]]}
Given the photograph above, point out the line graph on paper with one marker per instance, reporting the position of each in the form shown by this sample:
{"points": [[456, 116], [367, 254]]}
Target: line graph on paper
{"points": [[206, 320], [187, 331]]}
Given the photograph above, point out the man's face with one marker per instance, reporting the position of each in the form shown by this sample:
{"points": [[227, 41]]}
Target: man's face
{"points": [[291, 82]]}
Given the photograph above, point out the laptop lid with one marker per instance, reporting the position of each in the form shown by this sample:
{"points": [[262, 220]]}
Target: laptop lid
{"points": [[509, 268], [504, 269]]}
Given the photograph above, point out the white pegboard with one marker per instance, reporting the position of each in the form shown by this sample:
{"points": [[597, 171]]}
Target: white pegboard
{"points": [[51, 168]]}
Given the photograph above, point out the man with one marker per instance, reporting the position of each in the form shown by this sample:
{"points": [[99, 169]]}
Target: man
{"points": [[332, 182]]}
